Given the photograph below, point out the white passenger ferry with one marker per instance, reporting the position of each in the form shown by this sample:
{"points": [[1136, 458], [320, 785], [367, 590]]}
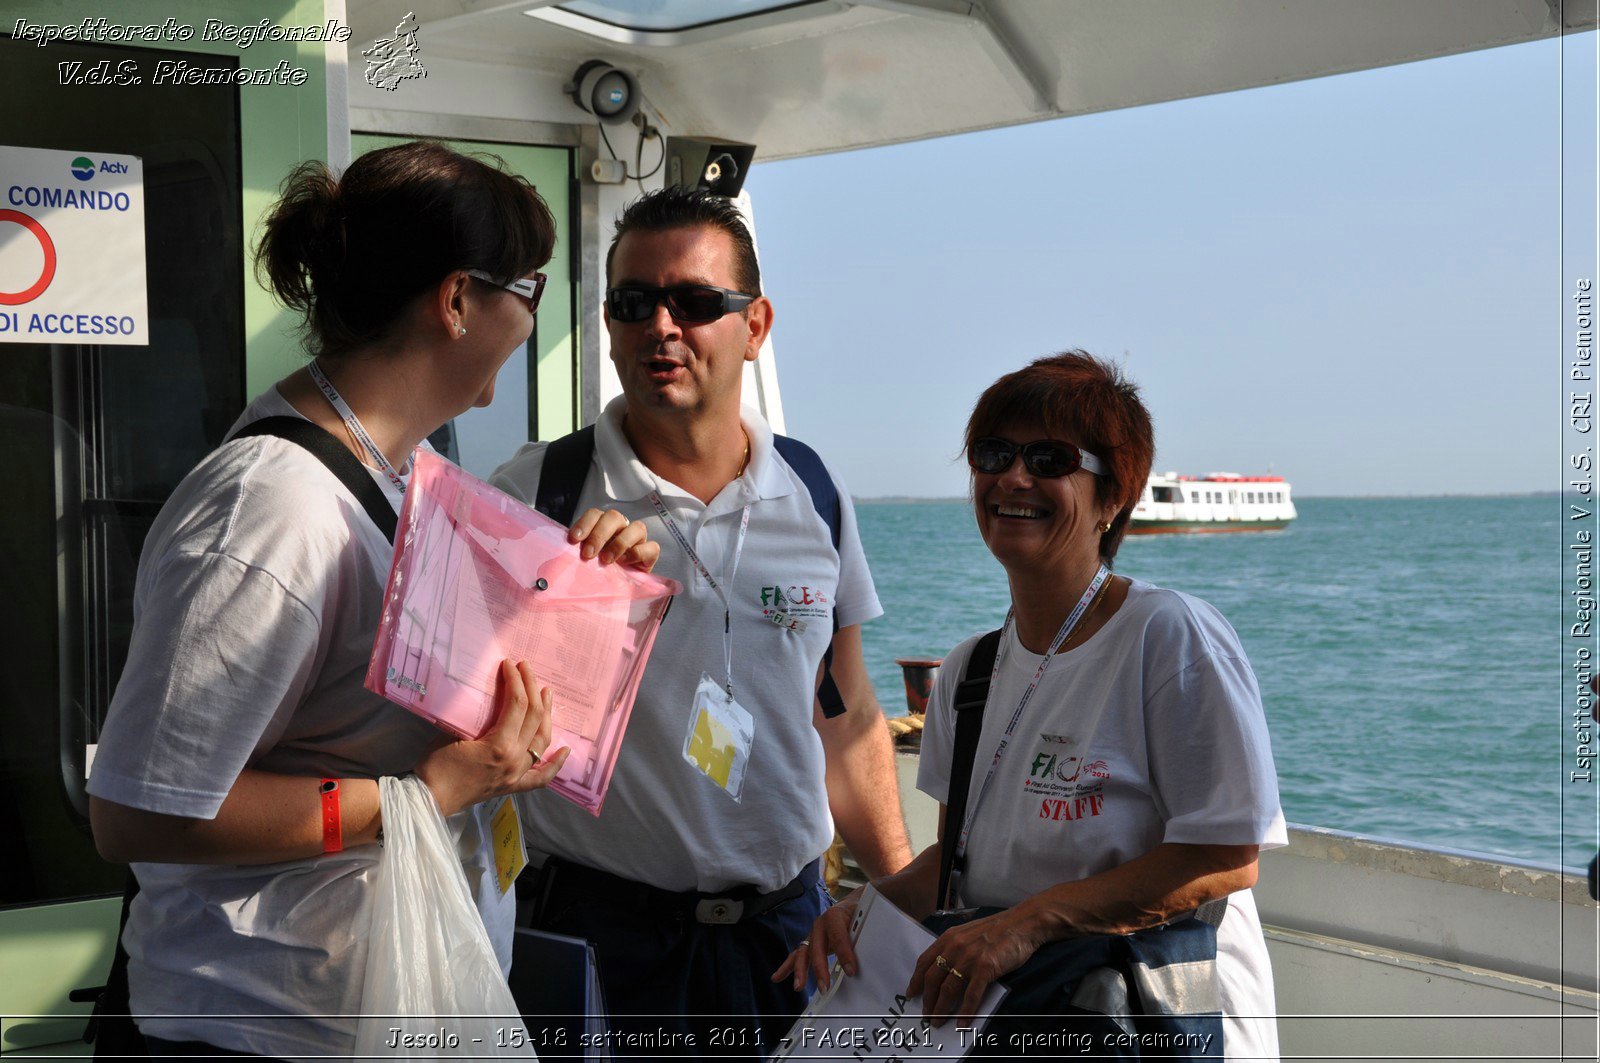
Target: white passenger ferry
{"points": [[1216, 502]]}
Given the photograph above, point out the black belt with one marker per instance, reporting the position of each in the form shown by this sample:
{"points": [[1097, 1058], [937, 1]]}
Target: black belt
{"points": [[733, 905]]}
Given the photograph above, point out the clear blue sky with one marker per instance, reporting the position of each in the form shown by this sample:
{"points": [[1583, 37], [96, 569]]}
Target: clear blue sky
{"points": [[1355, 280]]}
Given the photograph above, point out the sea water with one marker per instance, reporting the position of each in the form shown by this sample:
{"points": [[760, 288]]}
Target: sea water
{"points": [[1410, 653]]}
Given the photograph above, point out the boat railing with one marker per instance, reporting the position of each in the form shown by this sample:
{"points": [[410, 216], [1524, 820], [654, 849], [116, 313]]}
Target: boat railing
{"points": [[1384, 948]]}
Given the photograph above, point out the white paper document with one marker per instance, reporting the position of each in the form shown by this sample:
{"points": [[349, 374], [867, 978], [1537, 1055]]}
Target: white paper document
{"points": [[869, 1017]]}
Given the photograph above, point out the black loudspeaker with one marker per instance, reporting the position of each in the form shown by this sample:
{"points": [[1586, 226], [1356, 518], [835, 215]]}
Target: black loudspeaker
{"points": [[701, 162]]}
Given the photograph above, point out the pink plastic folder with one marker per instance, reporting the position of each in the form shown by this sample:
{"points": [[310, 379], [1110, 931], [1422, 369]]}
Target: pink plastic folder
{"points": [[479, 577]]}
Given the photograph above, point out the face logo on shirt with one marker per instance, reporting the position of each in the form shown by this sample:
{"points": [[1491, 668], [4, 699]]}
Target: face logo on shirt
{"points": [[1056, 765], [795, 600], [1067, 786]]}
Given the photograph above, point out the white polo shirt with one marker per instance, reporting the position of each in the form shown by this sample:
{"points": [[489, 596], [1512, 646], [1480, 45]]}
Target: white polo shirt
{"points": [[665, 823]]}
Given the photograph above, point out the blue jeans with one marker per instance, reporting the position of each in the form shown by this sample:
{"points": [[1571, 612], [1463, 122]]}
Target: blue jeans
{"points": [[676, 987]]}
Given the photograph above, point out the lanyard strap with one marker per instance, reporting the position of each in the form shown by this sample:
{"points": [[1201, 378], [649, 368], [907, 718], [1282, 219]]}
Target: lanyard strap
{"points": [[705, 574], [1061, 636], [348, 415]]}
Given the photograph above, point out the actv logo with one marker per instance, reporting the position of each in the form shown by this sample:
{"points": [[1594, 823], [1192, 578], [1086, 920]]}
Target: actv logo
{"points": [[83, 167]]}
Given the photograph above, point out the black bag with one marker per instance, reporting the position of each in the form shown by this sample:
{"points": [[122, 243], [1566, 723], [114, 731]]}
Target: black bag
{"points": [[111, 1028]]}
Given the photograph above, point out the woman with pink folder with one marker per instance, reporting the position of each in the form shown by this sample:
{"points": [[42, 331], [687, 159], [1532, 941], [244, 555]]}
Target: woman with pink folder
{"points": [[238, 767]]}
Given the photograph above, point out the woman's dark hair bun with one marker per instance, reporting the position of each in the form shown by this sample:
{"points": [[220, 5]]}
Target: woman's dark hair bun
{"points": [[295, 243], [350, 253]]}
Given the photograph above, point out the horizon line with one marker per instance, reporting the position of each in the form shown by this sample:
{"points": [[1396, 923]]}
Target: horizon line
{"points": [[879, 499]]}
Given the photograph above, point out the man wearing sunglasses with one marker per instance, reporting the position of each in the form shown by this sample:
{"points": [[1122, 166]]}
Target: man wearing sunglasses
{"points": [[701, 873]]}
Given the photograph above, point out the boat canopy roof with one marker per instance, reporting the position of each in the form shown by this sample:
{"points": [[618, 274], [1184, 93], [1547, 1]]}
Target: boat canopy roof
{"points": [[831, 75]]}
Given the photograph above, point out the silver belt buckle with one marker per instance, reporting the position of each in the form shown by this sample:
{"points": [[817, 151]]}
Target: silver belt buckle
{"points": [[719, 911]]}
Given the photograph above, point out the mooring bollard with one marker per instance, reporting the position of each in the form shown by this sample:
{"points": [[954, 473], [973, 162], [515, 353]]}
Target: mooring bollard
{"points": [[919, 674]]}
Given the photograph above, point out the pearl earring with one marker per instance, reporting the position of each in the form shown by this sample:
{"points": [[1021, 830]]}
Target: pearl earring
{"points": [[460, 331]]}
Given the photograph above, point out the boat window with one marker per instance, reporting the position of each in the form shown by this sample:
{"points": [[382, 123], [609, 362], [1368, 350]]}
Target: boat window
{"points": [[96, 438], [1162, 494], [660, 16]]}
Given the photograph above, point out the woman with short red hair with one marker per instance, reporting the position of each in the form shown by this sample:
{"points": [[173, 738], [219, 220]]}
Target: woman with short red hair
{"points": [[1122, 779]]}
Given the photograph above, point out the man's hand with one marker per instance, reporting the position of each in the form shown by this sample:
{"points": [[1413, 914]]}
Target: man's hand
{"points": [[613, 538]]}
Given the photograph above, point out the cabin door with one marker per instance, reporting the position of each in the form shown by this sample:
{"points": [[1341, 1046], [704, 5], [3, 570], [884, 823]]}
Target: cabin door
{"points": [[96, 437]]}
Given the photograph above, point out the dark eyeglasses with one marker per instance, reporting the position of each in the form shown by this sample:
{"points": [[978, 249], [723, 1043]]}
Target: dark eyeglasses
{"points": [[529, 288], [692, 304], [1045, 458]]}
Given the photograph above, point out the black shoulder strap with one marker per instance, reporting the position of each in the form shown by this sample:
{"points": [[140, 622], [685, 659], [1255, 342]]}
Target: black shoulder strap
{"points": [[825, 500], [824, 496], [338, 460], [566, 466], [972, 694], [111, 1028]]}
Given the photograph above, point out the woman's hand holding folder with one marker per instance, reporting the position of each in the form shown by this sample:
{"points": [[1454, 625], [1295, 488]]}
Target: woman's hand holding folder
{"points": [[510, 758]]}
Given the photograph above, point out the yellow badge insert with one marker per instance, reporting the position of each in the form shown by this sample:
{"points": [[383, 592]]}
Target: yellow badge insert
{"points": [[510, 855], [721, 733]]}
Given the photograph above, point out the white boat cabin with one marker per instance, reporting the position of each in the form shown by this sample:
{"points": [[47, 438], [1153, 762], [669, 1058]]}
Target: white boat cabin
{"points": [[1216, 502]]}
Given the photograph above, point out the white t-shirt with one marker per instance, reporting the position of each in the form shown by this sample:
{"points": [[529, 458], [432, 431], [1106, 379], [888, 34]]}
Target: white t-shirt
{"points": [[257, 601], [664, 822], [1152, 731]]}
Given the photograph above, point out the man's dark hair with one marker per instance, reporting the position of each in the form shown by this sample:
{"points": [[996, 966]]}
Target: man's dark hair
{"points": [[676, 207]]}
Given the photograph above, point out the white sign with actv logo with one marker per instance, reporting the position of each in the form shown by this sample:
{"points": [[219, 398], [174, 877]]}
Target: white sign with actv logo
{"points": [[72, 248]]}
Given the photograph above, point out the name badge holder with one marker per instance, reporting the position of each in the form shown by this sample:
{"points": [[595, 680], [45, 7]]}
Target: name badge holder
{"points": [[510, 850], [721, 731]]}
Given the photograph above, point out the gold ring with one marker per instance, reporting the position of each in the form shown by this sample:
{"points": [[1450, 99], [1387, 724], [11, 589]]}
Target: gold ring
{"points": [[804, 943], [942, 963], [956, 974]]}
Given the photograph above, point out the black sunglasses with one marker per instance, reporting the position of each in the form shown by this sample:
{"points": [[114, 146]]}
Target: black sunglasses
{"points": [[693, 304], [1044, 458]]}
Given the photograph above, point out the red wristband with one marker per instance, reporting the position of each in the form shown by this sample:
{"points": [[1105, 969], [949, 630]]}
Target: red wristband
{"points": [[332, 827]]}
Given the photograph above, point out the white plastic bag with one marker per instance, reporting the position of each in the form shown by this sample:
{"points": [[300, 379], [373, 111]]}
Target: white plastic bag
{"points": [[433, 985]]}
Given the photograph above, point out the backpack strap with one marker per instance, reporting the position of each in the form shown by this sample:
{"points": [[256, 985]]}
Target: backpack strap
{"points": [[824, 495], [972, 694], [825, 499], [337, 459], [566, 466], [111, 1028]]}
